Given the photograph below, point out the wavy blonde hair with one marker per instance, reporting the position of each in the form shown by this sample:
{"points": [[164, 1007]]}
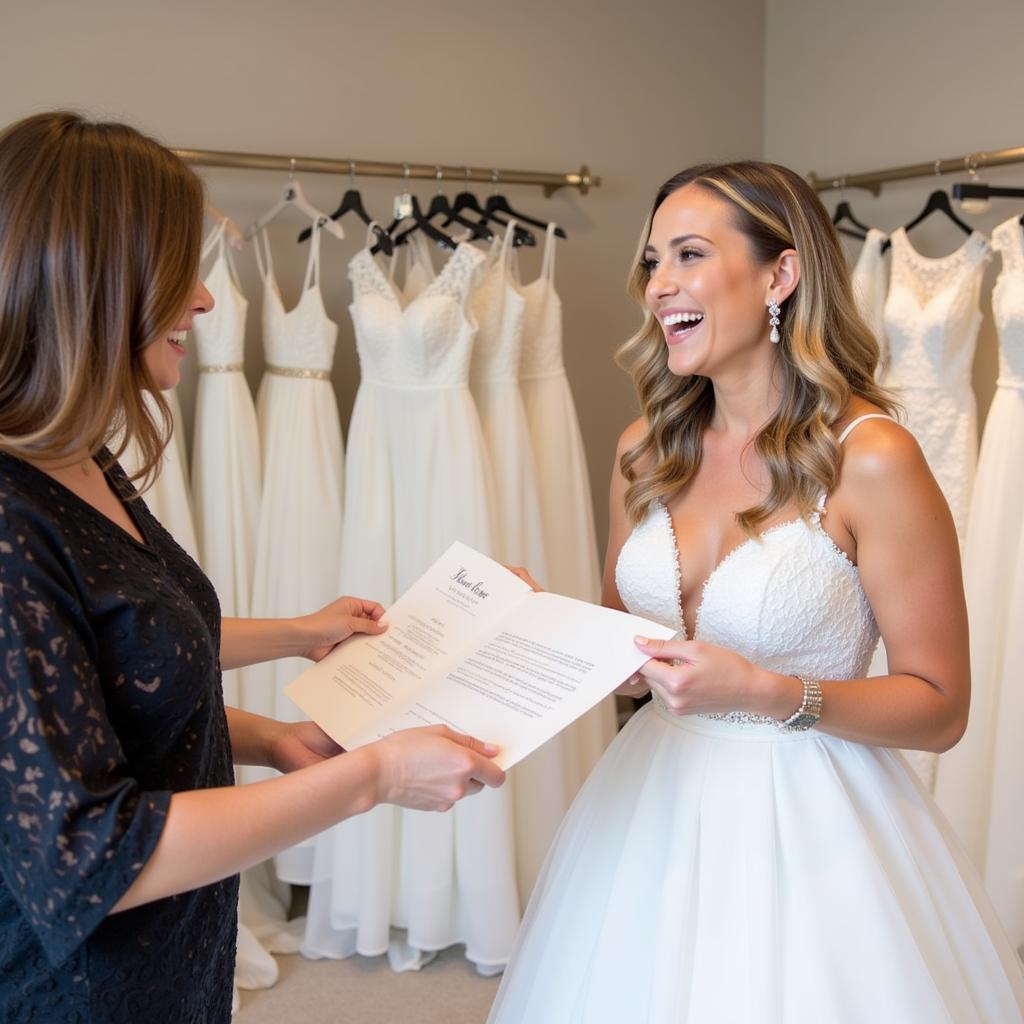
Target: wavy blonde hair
{"points": [[826, 353], [100, 232]]}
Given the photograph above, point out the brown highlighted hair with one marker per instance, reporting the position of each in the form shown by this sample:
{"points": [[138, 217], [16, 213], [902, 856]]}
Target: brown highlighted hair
{"points": [[100, 233], [826, 353]]}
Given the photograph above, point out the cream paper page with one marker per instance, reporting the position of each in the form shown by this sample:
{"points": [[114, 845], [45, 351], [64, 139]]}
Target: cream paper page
{"points": [[471, 646]]}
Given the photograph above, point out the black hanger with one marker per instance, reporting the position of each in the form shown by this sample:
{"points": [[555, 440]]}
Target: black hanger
{"points": [[420, 223], [498, 204], [352, 202], [467, 201], [979, 190], [441, 207], [844, 213], [938, 202]]}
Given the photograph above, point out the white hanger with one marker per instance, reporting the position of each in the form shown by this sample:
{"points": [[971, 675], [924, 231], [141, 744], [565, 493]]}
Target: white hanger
{"points": [[234, 235], [292, 195]]}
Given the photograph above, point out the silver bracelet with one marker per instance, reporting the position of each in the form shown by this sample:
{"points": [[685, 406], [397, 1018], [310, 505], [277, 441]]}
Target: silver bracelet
{"points": [[809, 712]]}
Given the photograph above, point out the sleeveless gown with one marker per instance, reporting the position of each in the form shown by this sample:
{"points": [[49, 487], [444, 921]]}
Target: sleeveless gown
{"points": [[545, 784], [720, 870], [980, 785], [418, 479], [567, 509], [932, 319], [299, 533]]}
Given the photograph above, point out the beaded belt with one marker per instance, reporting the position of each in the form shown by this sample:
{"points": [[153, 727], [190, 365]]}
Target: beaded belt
{"points": [[222, 368], [299, 371]]}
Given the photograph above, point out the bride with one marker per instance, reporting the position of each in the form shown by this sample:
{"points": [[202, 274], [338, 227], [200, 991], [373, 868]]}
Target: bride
{"points": [[753, 848]]}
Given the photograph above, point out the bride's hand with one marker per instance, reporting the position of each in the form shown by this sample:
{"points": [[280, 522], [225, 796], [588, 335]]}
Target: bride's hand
{"points": [[295, 745], [336, 622], [695, 678]]}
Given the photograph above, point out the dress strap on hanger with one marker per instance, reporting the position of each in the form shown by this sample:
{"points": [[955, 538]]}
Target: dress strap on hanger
{"points": [[313, 265], [264, 259], [508, 243], [215, 236], [547, 269]]}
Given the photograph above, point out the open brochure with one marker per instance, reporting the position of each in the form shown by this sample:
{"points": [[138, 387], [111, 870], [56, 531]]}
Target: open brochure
{"points": [[471, 646]]}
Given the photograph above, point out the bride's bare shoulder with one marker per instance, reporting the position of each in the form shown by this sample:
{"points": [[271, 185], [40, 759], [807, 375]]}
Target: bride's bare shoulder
{"points": [[629, 438]]}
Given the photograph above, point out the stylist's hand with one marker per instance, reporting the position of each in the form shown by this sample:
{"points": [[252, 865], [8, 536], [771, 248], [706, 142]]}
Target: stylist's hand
{"points": [[430, 768], [325, 629], [695, 678], [296, 745]]}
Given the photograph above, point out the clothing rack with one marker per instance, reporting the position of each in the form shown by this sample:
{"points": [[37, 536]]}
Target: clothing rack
{"points": [[873, 180], [549, 181]]}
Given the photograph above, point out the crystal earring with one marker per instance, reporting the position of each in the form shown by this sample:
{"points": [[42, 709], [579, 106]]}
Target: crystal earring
{"points": [[773, 318]]}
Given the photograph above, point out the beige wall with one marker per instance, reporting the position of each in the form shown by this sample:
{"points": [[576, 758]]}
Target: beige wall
{"points": [[873, 84], [636, 91]]}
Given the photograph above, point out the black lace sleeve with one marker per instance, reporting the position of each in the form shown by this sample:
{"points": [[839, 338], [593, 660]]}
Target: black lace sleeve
{"points": [[76, 828]]}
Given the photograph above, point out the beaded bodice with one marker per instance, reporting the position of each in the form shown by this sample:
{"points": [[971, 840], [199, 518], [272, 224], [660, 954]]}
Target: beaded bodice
{"points": [[424, 343], [932, 315], [788, 600], [1008, 302]]}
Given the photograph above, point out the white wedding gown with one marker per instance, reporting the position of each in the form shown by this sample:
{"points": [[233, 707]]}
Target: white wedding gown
{"points": [[418, 479], [725, 871], [546, 782], [567, 510], [299, 533], [980, 782], [870, 279], [932, 319]]}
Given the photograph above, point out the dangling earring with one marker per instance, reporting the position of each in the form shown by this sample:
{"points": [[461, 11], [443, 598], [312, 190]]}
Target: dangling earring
{"points": [[773, 318]]}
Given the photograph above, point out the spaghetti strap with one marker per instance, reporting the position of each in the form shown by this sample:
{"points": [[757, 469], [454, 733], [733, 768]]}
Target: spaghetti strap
{"points": [[264, 260], [313, 265], [847, 430], [860, 419], [507, 243], [547, 268], [211, 241]]}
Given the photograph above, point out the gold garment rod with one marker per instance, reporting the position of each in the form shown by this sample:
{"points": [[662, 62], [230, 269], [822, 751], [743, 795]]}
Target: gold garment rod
{"points": [[873, 180], [550, 182]]}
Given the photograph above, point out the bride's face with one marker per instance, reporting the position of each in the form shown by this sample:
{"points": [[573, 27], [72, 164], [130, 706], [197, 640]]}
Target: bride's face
{"points": [[707, 291]]}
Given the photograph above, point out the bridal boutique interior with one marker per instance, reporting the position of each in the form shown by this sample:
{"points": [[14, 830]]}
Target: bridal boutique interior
{"points": [[632, 95]]}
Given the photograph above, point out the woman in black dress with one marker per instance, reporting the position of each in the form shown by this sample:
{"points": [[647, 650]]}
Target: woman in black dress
{"points": [[122, 832]]}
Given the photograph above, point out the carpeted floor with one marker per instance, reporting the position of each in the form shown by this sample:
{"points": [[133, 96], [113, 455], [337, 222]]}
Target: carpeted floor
{"points": [[363, 990]]}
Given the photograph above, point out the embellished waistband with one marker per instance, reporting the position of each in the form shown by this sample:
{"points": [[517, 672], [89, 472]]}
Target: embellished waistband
{"points": [[300, 372], [390, 386], [736, 725], [221, 368], [544, 375]]}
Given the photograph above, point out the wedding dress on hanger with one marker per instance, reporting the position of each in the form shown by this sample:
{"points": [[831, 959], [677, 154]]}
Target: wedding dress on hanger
{"points": [[980, 785], [932, 319], [303, 461], [418, 478]]}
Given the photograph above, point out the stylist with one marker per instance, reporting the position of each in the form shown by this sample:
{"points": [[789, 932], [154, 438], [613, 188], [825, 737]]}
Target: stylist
{"points": [[121, 832]]}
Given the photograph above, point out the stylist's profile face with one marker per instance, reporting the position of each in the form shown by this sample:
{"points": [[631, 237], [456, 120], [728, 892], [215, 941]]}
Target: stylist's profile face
{"points": [[163, 354]]}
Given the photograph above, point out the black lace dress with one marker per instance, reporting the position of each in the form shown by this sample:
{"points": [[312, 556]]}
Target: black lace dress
{"points": [[110, 701]]}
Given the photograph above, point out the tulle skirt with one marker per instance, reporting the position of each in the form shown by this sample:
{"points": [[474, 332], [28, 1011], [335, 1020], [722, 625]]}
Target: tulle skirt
{"points": [[712, 873]]}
